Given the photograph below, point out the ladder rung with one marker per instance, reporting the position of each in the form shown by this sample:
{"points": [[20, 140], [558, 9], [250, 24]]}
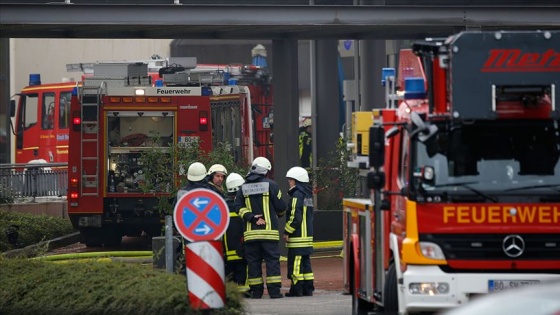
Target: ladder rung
{"points": [[90, 158], [90, 194], [89, 140]]}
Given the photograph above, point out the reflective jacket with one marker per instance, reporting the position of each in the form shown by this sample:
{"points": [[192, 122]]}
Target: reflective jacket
{"points": [[299, 224], [260, 195], [233, 238]]}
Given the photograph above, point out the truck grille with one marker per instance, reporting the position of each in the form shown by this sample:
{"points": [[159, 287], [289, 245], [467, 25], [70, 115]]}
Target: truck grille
{"points": [[490, 246]]}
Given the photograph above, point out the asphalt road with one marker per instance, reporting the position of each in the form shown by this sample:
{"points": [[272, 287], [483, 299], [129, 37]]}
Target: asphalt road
{"points": [[323, 302]]}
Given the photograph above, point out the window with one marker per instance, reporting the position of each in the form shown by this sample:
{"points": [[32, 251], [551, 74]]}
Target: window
{"points": [[64, 110], [30, 109], [48, 111]]}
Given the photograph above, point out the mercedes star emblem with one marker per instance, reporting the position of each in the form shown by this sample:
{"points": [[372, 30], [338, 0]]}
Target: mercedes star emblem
{"points": [[513, 245]]}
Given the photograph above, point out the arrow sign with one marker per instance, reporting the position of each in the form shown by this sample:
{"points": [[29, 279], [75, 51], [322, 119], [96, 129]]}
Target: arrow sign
{"points": [[201, 215]]}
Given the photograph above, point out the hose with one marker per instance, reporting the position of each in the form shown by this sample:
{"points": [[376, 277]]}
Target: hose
{"points": [[96, 255]]}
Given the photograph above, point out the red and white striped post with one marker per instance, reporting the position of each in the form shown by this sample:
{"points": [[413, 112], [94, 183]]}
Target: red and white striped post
{"points": [[202, 217], [205, 275]]}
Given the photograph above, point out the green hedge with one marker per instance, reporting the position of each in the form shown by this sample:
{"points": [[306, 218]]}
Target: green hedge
{"points": [[34, 286], [33, 228]]}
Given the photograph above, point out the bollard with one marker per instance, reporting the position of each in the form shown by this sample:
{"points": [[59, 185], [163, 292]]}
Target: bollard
{"points": [[205, 275]]}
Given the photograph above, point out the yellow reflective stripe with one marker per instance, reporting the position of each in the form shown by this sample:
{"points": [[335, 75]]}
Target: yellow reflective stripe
{"points": [[304, 221], [243, 211], [296, 273], [242, 288], [233, 214], [254, 281], [261, 235], [289, 227], [266, 211], [273, 279], [231, 255], [279, 195], [308, 276]]}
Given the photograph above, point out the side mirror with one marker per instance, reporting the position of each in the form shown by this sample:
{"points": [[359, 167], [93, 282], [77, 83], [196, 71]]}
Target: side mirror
{"points": [[425, 131], [376, 146], [376, 180], [12, 108]]}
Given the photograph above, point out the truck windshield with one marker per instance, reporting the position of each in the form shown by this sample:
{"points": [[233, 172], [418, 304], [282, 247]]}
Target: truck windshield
{"points": [[492, 156]]}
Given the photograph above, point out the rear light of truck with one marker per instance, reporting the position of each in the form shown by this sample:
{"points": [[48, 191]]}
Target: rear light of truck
{"points": [[203, 121], [76, 121], [74, 182]]}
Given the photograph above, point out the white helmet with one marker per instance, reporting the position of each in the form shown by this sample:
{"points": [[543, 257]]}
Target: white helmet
{"points": [[196, 172], [233, 182], [217, 168], [262, 162], [298, 173]]}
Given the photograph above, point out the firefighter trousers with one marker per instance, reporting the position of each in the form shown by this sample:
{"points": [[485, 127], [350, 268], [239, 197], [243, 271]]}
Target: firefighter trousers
{"points": [[255, 253], [300, 273], [236, 271]]}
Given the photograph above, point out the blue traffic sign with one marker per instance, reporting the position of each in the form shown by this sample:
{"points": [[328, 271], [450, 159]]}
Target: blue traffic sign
{"points": [[201, 215]]}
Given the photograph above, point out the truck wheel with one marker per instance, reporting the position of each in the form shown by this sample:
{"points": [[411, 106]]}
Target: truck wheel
{"points": [[112, 238], [91, 238], [359, 306], [390, 294]]}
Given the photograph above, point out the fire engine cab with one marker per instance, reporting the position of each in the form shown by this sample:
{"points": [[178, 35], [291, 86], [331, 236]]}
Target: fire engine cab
{"points": [[118, 115], [464, 175]]}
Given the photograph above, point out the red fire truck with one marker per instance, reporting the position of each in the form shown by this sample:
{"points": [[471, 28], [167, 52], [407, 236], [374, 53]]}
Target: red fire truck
{"points": [[42, 111], [464, 174], [117, 116]]}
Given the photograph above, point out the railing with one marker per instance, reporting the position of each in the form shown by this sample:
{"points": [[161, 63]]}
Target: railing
{"points": [[18, 181]]}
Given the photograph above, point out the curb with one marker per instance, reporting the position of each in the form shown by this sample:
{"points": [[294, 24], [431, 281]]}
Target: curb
{"points": [[41, 247]]}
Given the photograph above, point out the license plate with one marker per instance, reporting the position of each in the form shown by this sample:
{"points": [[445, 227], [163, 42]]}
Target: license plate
{"points": [[501, 285]]}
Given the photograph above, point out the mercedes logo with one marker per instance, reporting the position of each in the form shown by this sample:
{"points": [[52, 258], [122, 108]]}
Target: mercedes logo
{"points": [[513, 245]]}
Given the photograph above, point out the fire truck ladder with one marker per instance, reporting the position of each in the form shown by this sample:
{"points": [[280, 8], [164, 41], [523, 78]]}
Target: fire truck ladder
{"points": [[90, 100]]}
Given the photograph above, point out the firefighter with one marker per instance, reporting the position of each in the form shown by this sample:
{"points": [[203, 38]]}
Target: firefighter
{"points": [[298, 233], [216, 175], [260, 205], [236, 264], [305, 153], [196, 174]]}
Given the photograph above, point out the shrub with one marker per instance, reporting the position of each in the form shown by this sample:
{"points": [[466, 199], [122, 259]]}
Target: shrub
{"points": [[40, 287], [31, 228]]}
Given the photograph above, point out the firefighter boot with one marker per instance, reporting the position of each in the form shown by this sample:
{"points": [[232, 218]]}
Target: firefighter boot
{"points": [[308, 288], [256, 291], [274, 291], [296, 290]]}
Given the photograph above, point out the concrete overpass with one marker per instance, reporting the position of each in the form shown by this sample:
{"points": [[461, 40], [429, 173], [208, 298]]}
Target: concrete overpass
{"points": [[284, 24]]}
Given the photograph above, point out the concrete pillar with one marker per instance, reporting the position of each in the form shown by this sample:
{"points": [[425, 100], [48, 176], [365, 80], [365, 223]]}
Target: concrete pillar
{"points": [[325, 97], [373, 59], [5, 132], [286, 108]]}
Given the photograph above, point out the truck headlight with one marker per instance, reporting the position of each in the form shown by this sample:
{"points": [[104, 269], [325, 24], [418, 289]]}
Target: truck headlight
{"points": [[429, 288], [431, 250]]}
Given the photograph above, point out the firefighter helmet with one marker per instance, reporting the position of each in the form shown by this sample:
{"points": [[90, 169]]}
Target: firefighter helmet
{"points": [[306, 122], [233, 182], [262, 162], [298, 173], [217, 168], [196, 172]]}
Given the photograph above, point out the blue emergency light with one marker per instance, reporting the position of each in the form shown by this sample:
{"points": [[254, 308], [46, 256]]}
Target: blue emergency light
{"points": [[414, 88], [34, 79], [386, 72]]}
